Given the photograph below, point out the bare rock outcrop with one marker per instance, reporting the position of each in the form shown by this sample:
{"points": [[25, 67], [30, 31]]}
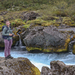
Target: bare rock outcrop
{"points": [[58, 68], [17, 66]]}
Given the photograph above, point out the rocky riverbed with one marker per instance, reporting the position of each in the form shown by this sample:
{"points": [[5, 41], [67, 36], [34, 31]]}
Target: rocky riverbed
{"points": [[22, 66]]}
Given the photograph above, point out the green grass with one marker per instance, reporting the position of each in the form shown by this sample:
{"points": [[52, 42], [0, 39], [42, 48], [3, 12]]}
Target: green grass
{"points": [[34, 4], [46, 7]]}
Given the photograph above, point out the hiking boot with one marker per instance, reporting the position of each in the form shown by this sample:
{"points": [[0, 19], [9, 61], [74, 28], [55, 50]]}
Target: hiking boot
{"points": [[10, 57], [6, 57]]}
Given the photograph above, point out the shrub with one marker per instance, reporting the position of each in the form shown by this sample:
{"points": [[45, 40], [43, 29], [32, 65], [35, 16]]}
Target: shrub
{"points": [[71, 9], [61, 13], [61, 5], [17, 22]]}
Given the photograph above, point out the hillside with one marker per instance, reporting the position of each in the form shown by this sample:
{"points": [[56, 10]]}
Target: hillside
{"points": [[65, 6]]}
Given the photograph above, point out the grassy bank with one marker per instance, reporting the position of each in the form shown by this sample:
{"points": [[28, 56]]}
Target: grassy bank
{"points": [[49, 7], [52, 12]]}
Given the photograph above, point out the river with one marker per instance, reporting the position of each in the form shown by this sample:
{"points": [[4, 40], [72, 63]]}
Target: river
{"points": [[41, 59]]}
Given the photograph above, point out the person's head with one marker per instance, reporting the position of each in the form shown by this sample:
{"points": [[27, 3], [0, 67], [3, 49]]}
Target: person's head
{"points": [[7, 23]]}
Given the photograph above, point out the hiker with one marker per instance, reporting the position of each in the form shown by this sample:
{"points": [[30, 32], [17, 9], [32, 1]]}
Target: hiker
{"points": [[7, 36]]}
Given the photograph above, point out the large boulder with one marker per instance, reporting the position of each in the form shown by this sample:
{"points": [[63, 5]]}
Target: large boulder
{"points": [[17, 66], [58, 68], [46, 39]]}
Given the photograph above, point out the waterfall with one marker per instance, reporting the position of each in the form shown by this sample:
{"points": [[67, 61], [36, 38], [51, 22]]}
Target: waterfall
{"points": [[19, 44]]}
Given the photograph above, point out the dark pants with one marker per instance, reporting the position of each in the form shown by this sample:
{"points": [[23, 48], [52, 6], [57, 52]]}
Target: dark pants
{"points": [[8, 45]]}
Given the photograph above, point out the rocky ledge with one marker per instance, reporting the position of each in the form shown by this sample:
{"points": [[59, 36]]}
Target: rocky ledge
{"points": [[17, 66], [58, 68]]}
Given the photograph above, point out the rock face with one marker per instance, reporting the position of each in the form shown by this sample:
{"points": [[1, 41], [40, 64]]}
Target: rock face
{"points": [[17, 66], [29, 16], [1, 40], [46, 39], [3, 13], [45, 71], [59, 68]]}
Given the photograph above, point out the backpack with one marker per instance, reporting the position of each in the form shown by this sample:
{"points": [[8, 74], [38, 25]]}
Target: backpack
{"points": [[3, 36]]}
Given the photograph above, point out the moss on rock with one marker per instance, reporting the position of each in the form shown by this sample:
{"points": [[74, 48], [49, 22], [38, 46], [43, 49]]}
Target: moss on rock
{"points": [[47, 50], [73, 49], [68, 21], [35, 71], [33, 48]]}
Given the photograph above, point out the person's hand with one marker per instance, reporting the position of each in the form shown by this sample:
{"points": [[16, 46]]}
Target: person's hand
{"points": [[13, 35], [10, 34]]}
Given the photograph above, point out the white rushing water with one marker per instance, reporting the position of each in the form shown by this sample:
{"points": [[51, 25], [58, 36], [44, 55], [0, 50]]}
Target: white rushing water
{"points": [[42, 59]]}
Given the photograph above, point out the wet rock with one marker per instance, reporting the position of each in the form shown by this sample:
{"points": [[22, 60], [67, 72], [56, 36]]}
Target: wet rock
{"points": [[35, 51], [17, 66]]}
